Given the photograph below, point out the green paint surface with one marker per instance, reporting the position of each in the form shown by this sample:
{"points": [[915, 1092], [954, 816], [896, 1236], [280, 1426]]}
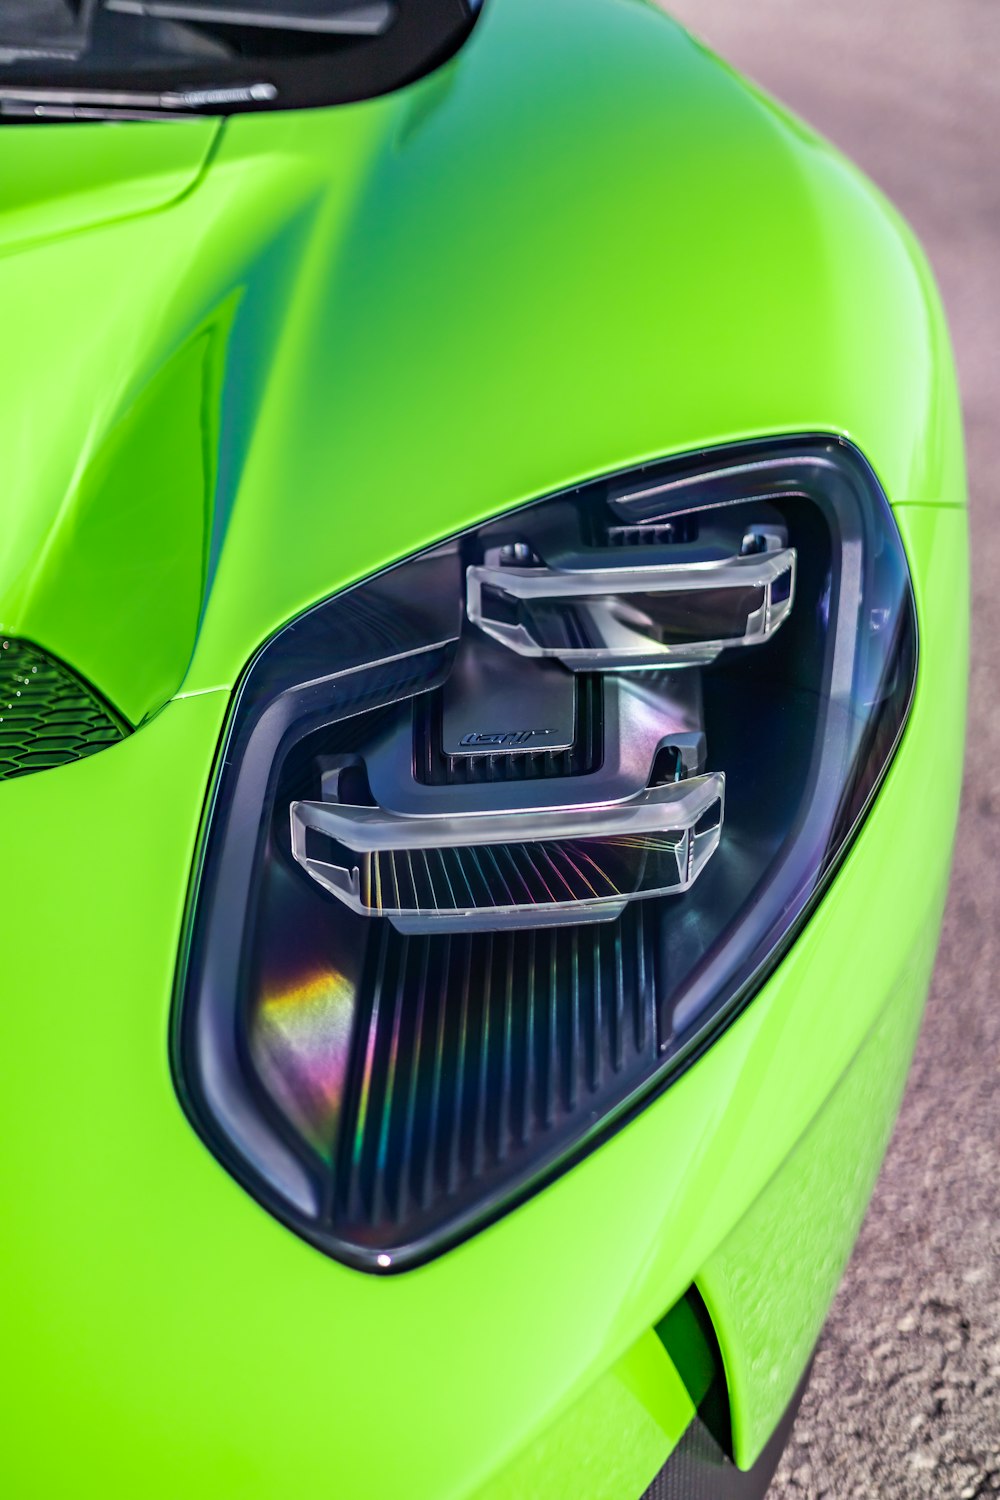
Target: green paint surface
{"points": [[235, 380]]}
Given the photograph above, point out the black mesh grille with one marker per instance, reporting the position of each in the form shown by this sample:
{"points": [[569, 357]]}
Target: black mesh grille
{"points": [[476, 1058], [434, 768], [48, 715]]}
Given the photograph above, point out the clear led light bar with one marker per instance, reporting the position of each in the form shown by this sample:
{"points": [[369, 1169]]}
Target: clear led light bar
{"points": [[633, 614], [482, 872]]}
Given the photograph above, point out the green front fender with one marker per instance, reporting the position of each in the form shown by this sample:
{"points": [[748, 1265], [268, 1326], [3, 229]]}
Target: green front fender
{"points": [[172, 1338]]}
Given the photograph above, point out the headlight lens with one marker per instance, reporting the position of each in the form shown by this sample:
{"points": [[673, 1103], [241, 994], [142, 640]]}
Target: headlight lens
{"points": [[504, 835]]}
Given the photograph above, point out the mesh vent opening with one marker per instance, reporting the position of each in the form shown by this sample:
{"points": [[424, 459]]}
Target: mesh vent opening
{"points": [[48, 715]]}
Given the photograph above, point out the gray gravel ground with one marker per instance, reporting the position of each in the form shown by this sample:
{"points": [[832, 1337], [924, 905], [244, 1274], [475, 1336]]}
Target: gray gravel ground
{"points": [[905, 1397]]}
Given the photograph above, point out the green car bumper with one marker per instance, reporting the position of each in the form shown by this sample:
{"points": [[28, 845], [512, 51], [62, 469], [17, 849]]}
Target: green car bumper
{"points": [[398, 318]]}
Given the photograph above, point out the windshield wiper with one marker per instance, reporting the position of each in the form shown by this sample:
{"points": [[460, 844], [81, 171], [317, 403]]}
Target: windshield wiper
{"points": [[105, 104]]}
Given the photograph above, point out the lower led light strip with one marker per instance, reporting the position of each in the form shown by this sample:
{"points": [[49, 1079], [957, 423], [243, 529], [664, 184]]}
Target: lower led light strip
{"points": [[518, 868]]}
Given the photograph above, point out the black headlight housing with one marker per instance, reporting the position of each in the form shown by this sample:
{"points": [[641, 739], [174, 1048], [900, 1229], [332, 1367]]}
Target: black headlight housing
{"points": [[504, 836], [152, 59]]}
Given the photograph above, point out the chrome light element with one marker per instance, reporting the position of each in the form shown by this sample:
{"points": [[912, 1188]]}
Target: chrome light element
{"points": [[542, 867], [606, 618], [468, 898]]}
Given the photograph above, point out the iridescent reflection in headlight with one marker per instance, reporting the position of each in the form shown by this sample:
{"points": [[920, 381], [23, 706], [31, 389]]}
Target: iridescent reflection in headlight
{"points": [[300, 1043]]}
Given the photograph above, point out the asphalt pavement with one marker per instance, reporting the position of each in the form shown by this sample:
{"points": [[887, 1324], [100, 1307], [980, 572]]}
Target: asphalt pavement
{"points": [[904, 1402]]}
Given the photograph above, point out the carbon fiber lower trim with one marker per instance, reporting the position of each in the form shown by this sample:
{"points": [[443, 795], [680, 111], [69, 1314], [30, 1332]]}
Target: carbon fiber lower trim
{"points": [[698, 1469]]}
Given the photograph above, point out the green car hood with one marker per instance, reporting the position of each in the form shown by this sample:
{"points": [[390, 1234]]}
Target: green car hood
{"points": [[248, 362]]}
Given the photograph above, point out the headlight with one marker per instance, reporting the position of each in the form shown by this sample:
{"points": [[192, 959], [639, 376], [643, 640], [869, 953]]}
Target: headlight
{"points": [[504, 835]]}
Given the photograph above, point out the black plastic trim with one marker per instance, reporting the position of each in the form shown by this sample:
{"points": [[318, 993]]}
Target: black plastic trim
{"points": [[116, 72], [700, 1469]]}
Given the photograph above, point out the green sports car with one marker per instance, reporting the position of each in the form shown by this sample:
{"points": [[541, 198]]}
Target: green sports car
{"points": [[483, 637]]}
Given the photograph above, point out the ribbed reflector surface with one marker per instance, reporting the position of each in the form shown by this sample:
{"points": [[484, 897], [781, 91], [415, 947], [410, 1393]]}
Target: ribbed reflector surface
{"points": [[476, 1058], [522, 875]]}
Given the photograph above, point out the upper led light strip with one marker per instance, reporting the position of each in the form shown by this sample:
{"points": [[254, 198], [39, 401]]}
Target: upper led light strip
{"points": [[608, 618], [485, 871]]}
